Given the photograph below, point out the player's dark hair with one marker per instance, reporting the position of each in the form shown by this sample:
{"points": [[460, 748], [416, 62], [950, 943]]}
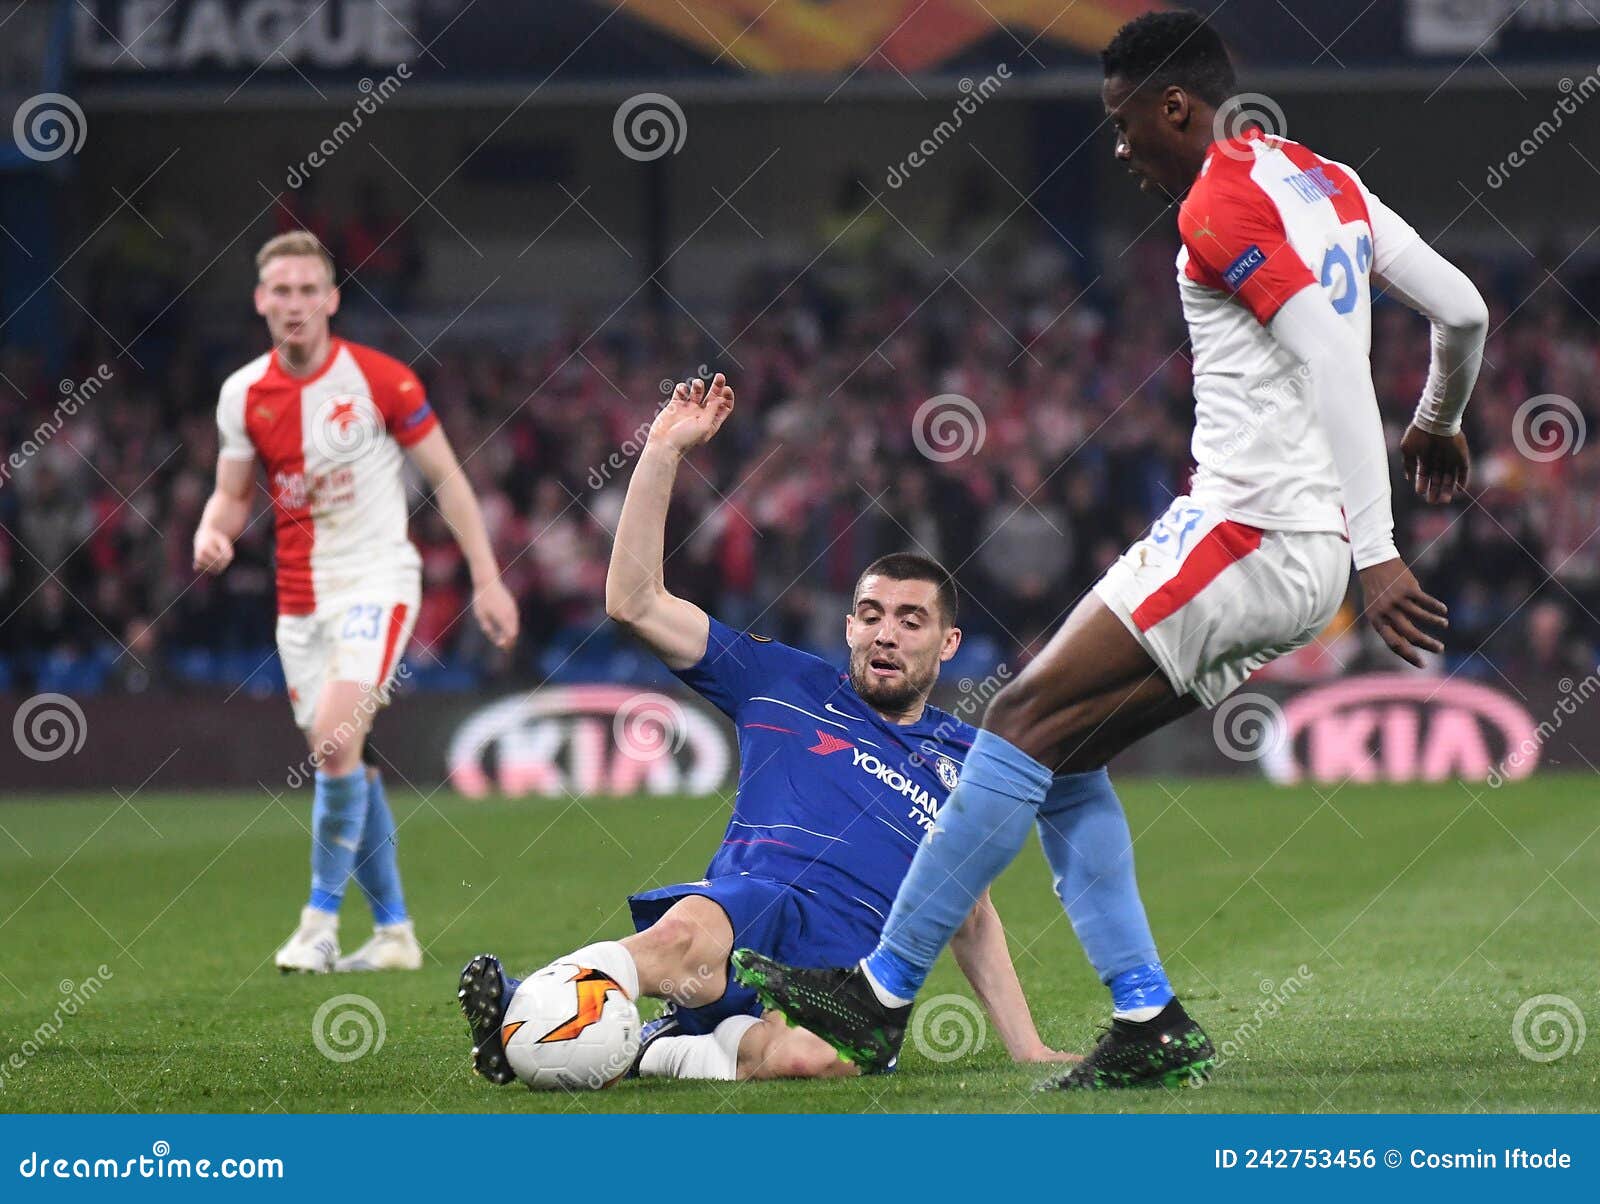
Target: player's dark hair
{"points": [[1174, 47], [913, 566]]}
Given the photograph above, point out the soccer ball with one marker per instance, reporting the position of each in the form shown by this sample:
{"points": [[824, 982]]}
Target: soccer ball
{"points": [[570, 1026]]}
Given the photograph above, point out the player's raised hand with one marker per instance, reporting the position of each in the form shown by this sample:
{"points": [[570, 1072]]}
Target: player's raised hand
{"points": [[496, 612], [1436, 465], [693, 414], [213, 551], [1396, 605]]}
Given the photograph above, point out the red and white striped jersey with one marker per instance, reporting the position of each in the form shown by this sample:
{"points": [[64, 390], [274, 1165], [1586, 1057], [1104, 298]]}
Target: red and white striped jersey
{"points": [[1264, 219], [331, 446]]}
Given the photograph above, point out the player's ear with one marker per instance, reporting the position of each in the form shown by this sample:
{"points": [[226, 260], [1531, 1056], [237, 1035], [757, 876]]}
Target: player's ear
{"points": [[1177, 107], [261, 300], [333, 301], [952, 641]]}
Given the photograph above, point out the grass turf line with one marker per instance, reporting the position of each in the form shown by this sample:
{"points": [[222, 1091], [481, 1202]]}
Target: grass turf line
{"points": [[1424, 914]]}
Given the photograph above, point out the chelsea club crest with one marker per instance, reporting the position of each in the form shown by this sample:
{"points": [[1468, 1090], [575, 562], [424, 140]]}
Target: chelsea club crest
{"points": [[949, 772]]}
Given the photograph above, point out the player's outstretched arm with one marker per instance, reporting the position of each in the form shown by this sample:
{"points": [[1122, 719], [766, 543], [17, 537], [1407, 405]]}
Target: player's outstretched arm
{"points": [[492, 604], [979, 947], [226, 514], [1341, 385], [1437, 462], [673, 628]]}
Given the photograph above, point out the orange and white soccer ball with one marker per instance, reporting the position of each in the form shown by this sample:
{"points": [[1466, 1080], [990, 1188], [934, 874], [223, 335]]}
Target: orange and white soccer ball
{"points": [[571, 1027]]}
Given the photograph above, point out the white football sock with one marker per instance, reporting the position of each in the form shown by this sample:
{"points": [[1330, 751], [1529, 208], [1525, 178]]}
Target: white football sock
{"points": [[612, 959], [713, 1055]]}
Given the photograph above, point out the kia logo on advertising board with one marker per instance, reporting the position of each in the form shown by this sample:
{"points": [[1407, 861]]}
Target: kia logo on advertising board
{"points": [[1396, 727], [588, 740]]}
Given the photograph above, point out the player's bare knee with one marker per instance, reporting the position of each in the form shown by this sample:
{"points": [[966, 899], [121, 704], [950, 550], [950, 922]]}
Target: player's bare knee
{"points": [[335, 749], [782, 1063], [1022, 716], [789, 1058], [676, 961], [669, 941], [773, 1050]]}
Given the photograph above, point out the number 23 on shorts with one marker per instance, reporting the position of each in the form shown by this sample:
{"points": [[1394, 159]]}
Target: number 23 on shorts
{"points": [[361, 622]]}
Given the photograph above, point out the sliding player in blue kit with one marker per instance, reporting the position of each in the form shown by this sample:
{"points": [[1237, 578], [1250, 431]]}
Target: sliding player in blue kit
{"points": [[840, 776]]}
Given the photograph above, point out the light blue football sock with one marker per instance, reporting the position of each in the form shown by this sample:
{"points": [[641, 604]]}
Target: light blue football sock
{"points": [[980, 830], [377, 868], [1090, 850], [338, 812]]}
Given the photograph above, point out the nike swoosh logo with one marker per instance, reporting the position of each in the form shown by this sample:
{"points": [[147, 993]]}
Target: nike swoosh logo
{"points": [[352, 845], [828, 706]]}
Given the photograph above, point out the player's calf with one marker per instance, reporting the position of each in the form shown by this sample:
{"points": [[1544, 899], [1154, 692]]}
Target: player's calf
{"points": [[683, 956], [773, 1050]]}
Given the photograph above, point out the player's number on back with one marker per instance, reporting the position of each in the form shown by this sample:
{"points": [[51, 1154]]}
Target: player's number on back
{"points": [[361, 623], [1341, 276]]}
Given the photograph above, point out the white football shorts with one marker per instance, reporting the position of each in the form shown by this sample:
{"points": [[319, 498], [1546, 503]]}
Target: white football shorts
{"points": [[1212, 600], [356, 634]]}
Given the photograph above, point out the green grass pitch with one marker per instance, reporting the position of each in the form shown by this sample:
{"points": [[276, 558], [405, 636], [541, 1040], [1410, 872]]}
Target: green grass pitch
{"points": [[1425, 916]]}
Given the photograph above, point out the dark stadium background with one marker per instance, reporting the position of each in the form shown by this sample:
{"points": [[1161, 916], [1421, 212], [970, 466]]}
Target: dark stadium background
{"points": [[545, 277]]}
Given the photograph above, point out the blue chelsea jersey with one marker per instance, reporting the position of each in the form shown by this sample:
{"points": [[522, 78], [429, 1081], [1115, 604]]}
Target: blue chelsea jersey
{"points": [[832, 798]]}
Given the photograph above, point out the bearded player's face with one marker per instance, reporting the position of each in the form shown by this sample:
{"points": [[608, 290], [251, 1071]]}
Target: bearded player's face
{"points": [[297, 297], [898, 638]]}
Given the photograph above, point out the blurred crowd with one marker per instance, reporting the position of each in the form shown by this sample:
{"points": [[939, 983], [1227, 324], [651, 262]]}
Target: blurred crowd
{"points": [[1075, 438]]}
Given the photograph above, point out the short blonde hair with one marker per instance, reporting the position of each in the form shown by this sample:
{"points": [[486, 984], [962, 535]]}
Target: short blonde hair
{"points": [[293, 242]]}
